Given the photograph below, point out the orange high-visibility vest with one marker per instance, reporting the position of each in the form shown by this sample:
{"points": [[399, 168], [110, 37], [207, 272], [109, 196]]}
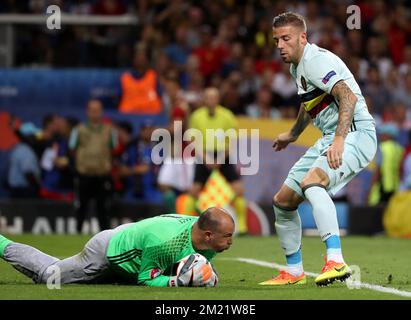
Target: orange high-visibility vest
{"points": [[140, 95]]}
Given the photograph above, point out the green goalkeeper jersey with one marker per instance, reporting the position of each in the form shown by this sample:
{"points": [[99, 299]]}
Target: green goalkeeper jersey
{"points": [[147, 250]]}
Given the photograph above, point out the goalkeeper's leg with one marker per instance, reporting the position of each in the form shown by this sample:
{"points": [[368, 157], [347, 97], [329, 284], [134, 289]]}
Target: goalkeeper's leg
{"points": [[90, 265], [28, 260]]}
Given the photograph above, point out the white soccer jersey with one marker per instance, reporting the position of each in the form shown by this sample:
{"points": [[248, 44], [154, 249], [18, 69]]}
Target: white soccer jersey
{"points": [[316, 74]]}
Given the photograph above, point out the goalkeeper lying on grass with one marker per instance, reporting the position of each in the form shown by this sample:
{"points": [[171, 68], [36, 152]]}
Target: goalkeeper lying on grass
{"points": [[143, 253]]}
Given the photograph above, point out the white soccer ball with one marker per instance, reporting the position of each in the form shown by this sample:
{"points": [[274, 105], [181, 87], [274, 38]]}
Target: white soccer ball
{"points": [[196, 263], [198, 259]]}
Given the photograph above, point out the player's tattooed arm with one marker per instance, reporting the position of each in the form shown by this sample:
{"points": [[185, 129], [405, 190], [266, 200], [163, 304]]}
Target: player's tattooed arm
{"points": [[303, 119], [347, 101]]}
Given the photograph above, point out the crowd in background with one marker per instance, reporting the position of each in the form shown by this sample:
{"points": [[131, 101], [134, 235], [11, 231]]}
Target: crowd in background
{"points": [[44, 163], [228, 44]]}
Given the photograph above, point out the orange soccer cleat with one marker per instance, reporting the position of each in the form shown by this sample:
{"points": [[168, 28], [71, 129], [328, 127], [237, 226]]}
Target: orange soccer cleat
{"points": [[285, 278]]}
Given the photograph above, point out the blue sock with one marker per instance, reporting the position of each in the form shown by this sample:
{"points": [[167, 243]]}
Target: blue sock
{"points": [[333, 245], [295, 263]]}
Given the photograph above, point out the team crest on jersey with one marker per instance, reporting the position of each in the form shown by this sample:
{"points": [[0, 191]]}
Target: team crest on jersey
{"points": [[155, 273], [304, 83]]}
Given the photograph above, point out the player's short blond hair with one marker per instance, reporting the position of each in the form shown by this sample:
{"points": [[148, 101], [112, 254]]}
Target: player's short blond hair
{"points": [[290, 18]]}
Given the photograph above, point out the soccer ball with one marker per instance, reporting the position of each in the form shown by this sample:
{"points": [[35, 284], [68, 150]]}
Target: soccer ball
{"points": [[198, 260]]}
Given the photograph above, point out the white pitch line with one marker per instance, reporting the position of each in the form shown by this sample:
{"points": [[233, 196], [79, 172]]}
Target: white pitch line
{"points": [[364, 285]]}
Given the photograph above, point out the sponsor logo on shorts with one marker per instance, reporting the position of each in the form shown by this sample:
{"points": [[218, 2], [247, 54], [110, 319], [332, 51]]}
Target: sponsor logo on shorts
{"points": [[328, 76]]}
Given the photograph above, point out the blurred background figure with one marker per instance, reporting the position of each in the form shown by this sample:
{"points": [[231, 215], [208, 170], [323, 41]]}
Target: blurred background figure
{"points": [[57, 164], [262, 107], [24, 172], [176, 174], [214, 116], [140, 87], [406, 166], [128, 169], [387, 175], [92, 144]]}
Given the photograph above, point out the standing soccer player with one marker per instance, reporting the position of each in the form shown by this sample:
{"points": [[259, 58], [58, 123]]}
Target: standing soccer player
{"points": [[332, 100]]}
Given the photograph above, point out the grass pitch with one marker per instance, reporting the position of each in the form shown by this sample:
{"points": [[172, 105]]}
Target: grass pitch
{"points": [[383, 261]]}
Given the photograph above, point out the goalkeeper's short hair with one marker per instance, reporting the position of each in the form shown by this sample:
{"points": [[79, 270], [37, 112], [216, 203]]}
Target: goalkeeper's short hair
{"points": [[210, 219]]}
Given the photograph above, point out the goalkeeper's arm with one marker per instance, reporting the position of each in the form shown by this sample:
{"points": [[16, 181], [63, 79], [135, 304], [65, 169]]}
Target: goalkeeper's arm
{"points": [[198, 275], [180, 280], [150, 275]]}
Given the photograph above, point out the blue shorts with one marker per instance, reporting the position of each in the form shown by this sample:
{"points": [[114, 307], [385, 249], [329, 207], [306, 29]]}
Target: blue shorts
{"points": [[359, 150]]}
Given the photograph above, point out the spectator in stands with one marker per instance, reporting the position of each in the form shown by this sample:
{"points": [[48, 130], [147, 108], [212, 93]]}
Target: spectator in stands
{"points": [[174, 100], [386, 178], [92, 144], [56, 165], [149, 187], [376, 55], [193, 82], [109, 7], [178, 51], [233, 63], [230, 95], [405, 67], [399, 118], [210, 54], [375, 89], [262, 107], [214, 116], [249, 81], [39, 141], [177, 171], [284, 87], [128, 169], [403, 93], [140, 87], [406, 166], [23, 176]]}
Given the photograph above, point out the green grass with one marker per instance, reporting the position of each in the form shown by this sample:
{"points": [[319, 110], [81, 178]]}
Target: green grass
{"points": [[383, 261]]}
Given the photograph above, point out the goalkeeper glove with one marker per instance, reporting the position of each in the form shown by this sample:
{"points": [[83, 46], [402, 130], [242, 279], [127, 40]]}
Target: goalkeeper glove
{"points": [[184, 276], [204, 275]]}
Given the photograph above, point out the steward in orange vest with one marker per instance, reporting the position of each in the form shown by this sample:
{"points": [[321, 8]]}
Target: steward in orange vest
{"points": [[140, 88]]}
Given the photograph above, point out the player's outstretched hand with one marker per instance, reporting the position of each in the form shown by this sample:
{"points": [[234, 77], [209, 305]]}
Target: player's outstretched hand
{"points": [[283, 140]]}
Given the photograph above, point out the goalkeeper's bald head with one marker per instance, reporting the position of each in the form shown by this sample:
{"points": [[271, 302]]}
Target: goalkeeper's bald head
{"points": [[214, 219], [214, 230]]}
